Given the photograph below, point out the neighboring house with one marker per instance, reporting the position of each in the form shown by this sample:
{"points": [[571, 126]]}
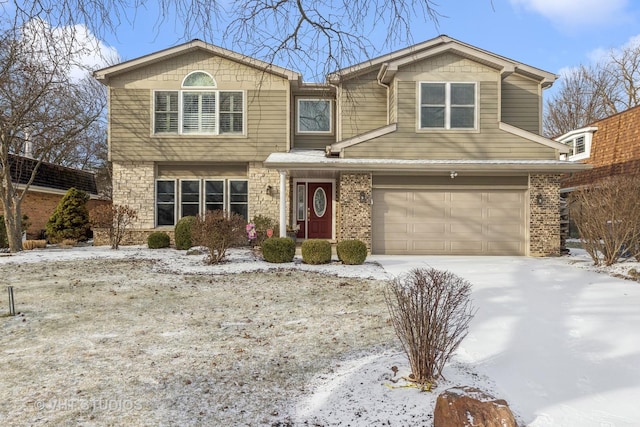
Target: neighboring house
{"points": [[611, 146], [432, 149], [48, 187]]}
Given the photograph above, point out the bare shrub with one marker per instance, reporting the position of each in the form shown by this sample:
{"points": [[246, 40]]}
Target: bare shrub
{"points": [[430, 312], [115, 219], [218, 231], [607, 215]]}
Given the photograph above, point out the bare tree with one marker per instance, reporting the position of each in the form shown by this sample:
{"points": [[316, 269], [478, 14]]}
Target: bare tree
{"points": [[588, 94], [607, 215], [294, 33], [42, 110]]}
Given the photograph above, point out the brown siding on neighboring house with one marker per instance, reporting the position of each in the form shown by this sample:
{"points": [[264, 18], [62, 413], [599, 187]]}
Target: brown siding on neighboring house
{"points": [[615, 149]]}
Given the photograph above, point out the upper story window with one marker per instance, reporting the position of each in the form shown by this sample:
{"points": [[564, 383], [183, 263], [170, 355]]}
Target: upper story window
{"points": [[314, 116], [199, 109], [447, 105], [199, 79]]}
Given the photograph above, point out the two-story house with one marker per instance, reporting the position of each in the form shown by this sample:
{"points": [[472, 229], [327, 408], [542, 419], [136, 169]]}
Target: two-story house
{"points": [[432, 149]]}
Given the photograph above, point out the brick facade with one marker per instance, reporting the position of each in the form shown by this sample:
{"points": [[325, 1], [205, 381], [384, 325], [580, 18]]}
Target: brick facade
{"points": [[39, 207], [544, 225], [354, 215]]}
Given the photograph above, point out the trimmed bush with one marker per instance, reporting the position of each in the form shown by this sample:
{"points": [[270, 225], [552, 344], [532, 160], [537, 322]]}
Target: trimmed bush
{"points": [[351, 252], [158, 239], [183, 232], [278, 249], [70, 220], [316, 251]]}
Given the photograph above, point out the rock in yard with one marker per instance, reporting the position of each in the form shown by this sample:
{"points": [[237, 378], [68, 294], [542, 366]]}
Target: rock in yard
{"points": [[471, 407]]}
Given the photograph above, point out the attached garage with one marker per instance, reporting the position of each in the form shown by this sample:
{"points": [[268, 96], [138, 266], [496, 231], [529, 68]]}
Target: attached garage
{"points": [[456, 219]]}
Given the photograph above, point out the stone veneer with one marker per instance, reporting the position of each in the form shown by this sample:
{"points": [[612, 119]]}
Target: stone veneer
{"points": [[261, 200], [354, 215], [544, 225]]}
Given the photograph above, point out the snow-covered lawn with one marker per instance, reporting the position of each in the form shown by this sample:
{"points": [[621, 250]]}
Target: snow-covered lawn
{"points": [[245, 343]]}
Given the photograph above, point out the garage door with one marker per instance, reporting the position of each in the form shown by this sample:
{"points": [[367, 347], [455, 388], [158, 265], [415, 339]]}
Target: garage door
{"points": [[435, 222]]}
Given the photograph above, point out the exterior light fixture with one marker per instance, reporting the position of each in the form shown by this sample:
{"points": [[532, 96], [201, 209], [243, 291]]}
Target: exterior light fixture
{"points": [[363, 197], [539, 199]]}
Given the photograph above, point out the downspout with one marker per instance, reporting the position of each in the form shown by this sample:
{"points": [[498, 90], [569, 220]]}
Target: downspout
{"points": [[381, 74]]}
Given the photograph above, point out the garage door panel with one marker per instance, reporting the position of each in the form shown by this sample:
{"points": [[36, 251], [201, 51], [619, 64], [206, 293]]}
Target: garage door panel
{"points": [[482, 222], [465, 246], [428, 245]]}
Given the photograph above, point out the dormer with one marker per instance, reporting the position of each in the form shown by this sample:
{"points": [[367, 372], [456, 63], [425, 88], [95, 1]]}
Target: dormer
{"points": [[579, 141]]}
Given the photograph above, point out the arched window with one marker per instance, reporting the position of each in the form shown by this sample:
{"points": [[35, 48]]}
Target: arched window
{"points": [[199, 79]]}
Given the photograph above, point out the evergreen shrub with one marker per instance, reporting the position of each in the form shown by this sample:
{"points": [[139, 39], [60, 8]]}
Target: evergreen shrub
{"points": [[316, 251], [183, 232], [70, 219], [158, 240], [278, 249], [351, 252]]}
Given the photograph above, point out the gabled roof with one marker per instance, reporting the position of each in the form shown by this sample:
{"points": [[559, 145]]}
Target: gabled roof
{"points": [[105, 74], [51, 176], [387, 65]]}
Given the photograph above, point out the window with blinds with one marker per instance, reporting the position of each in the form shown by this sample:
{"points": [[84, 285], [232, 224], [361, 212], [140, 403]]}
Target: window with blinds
{"points": [[199, 109]]}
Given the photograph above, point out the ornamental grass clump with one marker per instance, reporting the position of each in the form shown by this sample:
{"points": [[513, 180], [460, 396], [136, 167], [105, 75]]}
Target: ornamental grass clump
{"points": [[351, 252], [316, 251], [430, 311], [158, 240], [278, 249]]}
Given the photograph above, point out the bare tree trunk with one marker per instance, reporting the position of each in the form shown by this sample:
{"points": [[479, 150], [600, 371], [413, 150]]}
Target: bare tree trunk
{"points": [[12, 218]]}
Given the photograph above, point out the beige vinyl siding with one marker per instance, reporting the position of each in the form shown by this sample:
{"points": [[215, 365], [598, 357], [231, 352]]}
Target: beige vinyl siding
{"points": [[364, 105], [487, 142], [207, 171], [313, 142], [521, 103], [132, 139], [393, 107]]}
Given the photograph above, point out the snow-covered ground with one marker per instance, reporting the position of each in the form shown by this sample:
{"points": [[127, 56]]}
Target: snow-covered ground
{"points": [[556, 337]]}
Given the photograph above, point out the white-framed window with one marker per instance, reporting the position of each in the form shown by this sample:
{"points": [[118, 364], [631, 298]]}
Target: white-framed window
{"points": [[165, 202], [447, 105], [198, 108], [579, 142], [314, 116], [190, 197]]}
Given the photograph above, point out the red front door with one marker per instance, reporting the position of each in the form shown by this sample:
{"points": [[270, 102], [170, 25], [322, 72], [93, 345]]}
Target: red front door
{"points": [[319, 213]]}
